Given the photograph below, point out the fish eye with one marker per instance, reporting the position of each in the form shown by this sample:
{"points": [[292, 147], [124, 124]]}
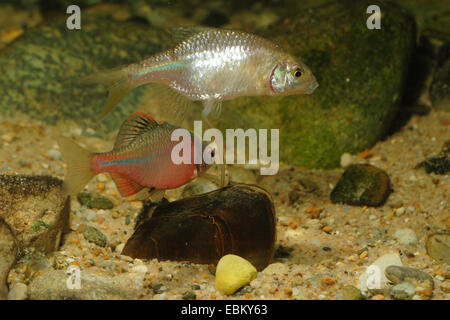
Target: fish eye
{"points": [[297, 73]]}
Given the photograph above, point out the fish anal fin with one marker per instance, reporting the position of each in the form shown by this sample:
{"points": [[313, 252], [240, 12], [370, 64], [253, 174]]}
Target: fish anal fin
{"points": [[125, 186], [134, 126], [211, 109]]}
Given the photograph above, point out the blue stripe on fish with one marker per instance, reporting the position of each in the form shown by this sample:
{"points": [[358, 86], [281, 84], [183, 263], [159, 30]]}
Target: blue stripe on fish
{"points": [[126, 161], [162, 67]]}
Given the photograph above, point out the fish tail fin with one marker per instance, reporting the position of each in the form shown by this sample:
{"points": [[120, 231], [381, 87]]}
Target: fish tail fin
{"points": [[118, 83], [78, 162]]}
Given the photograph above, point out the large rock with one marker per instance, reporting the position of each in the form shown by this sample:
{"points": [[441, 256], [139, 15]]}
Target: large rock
{"points": [[35, 210], [362, 185], [33, 215], [8, 253], [361, 74], [39, 72]]}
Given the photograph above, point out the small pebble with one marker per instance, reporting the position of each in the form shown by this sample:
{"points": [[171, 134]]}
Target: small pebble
{"points": [[327, 229], [232, 273], [94, 235], [352, 293], [438, 247], [406, 236], [54, 154], [403, 291], [189, 295], [400, 211], [328, 281], [119, 248]]}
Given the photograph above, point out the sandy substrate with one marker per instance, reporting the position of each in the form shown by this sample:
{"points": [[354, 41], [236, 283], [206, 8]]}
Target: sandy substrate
{"points": [[323, 243]]}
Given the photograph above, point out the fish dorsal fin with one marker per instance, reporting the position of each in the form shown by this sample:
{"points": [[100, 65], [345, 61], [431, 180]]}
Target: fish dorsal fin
{"points": [[180, 34], [136, 124]]}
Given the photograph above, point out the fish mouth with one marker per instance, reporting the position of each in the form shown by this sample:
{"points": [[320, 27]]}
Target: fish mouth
{"points": [[313, 86]]}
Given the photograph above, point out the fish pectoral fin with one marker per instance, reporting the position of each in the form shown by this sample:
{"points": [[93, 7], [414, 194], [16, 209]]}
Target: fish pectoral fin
{"points": [[172, 105], [126, 186], [134, 126]]}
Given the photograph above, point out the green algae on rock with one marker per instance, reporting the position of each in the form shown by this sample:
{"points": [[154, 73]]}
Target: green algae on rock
{"points": [[94, 201], [362, 185], [40, 71], [359, 92]]}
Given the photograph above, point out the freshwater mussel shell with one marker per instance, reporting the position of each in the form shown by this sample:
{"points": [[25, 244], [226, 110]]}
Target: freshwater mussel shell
{"points": [[237, 219]]}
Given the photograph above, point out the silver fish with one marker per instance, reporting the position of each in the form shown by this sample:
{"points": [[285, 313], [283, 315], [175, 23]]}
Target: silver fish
{"points": [[213, 65]]}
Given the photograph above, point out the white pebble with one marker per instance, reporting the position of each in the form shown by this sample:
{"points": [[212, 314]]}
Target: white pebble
{"points": [[86, 213], [141, 268], [406, 236], [119, 248], [54, 154]]}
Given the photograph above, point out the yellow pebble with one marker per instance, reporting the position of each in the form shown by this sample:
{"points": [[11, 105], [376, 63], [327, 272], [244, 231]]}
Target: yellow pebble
{"points": [[232, 273]]}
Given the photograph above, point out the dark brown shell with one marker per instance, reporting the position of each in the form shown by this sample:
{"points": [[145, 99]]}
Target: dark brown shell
{"points": [[237, 219]]}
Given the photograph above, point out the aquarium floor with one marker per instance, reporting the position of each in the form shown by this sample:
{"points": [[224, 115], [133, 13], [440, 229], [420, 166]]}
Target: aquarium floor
{"points": [[323, 243]]}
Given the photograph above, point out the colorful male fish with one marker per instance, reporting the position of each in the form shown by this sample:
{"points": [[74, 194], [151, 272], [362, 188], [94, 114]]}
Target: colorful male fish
{"points": [[212, 65], [141, 158]]}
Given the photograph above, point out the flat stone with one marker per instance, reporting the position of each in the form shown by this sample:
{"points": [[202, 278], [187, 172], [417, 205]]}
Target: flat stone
{"points": [[94, 285], [438, 247], [417, 278]]}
